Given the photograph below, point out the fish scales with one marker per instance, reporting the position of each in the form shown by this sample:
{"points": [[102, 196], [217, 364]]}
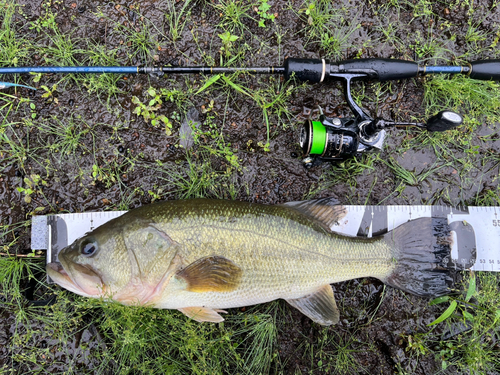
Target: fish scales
{"points": [[281, 257]]}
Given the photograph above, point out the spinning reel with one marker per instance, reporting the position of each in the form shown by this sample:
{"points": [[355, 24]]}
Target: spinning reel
{"points": [[335, 138]]}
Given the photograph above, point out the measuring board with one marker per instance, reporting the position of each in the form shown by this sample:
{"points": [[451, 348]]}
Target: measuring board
{"points": [[475, 230]]}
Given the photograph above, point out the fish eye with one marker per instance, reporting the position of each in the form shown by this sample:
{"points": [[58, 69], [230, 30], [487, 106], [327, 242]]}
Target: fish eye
{"points": [[88, 247]]}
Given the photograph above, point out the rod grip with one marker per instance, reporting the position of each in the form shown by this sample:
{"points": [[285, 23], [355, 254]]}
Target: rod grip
{"points": [[485, 70], [383, 69], [312, 70]]}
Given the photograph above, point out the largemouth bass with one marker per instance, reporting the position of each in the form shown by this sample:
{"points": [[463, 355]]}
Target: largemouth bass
{"points": [[202, 256]]}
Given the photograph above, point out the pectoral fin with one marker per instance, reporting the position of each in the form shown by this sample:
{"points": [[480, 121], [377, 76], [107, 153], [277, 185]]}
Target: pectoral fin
{"points": [[203, 314], [319, 306], [211, 274]]}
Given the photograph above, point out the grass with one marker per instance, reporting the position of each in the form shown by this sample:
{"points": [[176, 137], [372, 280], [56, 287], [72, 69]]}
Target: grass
{"points": [[97, 154], [468, 343], [132, 340], [233, 14], [13, 49], [328, 27], [177, 18]]}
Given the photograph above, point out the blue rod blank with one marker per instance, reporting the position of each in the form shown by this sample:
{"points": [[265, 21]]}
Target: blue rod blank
{"points": [[71, 69], [443, 69]]}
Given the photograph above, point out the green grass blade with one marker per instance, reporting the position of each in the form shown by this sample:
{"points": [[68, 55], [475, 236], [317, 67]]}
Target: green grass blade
{"points": [[209, 83], [446, 314], [472, 287], [439, 300], [237, 87]]}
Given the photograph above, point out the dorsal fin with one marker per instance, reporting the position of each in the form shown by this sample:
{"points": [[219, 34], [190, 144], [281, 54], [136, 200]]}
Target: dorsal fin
{"points": [[328, 211]]}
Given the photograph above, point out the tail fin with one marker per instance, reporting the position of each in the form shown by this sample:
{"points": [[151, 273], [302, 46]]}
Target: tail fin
{"points": [[422, 251]]}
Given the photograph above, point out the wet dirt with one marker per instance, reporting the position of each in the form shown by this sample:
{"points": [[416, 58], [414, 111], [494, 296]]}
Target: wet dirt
{"points": [[118, 158]]}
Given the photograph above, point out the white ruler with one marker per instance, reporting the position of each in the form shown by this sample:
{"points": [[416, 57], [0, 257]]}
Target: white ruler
{"points": [[476, 230]]}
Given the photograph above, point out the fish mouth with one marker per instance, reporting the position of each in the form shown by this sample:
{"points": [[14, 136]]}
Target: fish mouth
{"points": [[80, 279]]}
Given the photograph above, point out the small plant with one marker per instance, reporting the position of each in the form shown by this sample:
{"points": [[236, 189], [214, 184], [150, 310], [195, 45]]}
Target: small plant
{"points": [[49, 93], [309, 11], [47, 21], [64, 137], [233, 12], [147, 111], [177, 19], [265, 146], [32, 184], [155, 195], [227, 43], [456, 303], [14, 48], [262, 11], [318, 14], [408, 177]]}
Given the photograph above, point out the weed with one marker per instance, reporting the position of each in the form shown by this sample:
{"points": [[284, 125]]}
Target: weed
{"points": [[328, 26], [147, 111], [49, 93], [337, 40], [233, 13], [14, 48], [488, 197], [318, 14], [346, 171], [100, 55], [31, 186], [260, 330], [263, 12], [177, 19], [10, 235], [227, 43], [65, 138], [334, 353], [138, 41], [16, 147], [477, 322], [428, 47], [202, 179], [421, 8], [477, 99], [408, 177]]}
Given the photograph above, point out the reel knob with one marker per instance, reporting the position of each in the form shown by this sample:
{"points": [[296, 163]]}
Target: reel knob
{"points": [[444, 120]]}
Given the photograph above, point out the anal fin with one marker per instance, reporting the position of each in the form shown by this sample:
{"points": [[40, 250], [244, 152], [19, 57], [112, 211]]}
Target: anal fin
{"points": [[203, 314], [320, 306]]}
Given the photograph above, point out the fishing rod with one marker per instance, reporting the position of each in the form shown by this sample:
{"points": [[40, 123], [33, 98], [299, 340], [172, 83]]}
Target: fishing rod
{"points": [[330, 138]]}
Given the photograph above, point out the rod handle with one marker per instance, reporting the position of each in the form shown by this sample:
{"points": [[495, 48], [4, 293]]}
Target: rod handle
{"points": [[485, 70], [312, 70], [319, 70], [383, 69]]}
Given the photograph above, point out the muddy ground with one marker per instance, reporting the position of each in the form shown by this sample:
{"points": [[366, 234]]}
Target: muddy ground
{"points": [[118, 160]]}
